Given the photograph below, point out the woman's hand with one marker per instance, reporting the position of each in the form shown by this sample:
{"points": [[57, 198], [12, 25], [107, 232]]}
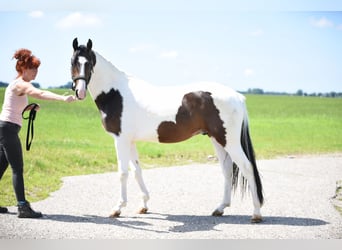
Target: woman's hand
{"points": [[37, 107], [70, 98]]}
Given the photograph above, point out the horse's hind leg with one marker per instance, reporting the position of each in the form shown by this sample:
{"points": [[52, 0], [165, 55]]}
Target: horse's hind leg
{"points": [[241, 160], [227, 170], [134, 162]]}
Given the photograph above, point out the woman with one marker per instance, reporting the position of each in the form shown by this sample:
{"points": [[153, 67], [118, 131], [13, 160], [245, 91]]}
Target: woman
{"points": [[15, 100]]}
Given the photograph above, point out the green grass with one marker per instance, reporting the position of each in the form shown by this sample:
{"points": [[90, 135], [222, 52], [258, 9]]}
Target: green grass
{"points": [[69, 140], [282, 125]]}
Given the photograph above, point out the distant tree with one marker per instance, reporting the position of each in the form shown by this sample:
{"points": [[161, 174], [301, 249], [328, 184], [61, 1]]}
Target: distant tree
{"points": [[65, 86], [255, 91], [332, 94], [3, 84], [36, 85], [299, 92]]}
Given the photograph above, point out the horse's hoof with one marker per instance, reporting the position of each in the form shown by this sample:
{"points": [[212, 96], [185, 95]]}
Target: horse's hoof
{"points": [[217, 213], [115, 214], [256, 218], [143, 210]]}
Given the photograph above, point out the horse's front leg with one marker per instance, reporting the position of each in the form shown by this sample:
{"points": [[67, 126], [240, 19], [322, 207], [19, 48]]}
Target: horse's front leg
{"points": [[123, 156], [134, 162], [227, 170]]}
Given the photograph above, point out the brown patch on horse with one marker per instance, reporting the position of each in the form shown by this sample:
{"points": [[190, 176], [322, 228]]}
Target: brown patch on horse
{"points": [[111, 104], [197, 114]]}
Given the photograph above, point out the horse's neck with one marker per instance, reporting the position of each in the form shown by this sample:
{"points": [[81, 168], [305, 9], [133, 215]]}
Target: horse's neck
{"points": [[105, 77]]}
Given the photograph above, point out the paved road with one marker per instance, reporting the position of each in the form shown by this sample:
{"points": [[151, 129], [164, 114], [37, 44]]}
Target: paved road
{"points": [[298, 205]]}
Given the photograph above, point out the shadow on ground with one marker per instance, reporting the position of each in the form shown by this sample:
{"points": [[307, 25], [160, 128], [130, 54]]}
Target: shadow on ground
{"points": [[187, 223]]}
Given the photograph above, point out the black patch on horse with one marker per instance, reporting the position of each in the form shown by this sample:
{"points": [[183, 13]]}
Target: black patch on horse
{"points": [[111, 104], [197, 114]]}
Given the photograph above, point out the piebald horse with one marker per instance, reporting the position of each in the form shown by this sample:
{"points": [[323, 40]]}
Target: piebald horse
{"points": [[133, 110]]}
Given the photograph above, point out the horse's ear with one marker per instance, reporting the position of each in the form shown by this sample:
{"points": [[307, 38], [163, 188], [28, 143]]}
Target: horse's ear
{"points": [[75, 44], [89, 45]]}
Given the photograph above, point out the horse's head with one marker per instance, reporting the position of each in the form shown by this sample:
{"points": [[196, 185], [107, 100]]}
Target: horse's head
{"points": [[82, 64]]}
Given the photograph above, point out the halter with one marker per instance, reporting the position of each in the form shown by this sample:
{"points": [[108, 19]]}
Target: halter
{"points": [[83, 77], [74, 79], [86, 52]]}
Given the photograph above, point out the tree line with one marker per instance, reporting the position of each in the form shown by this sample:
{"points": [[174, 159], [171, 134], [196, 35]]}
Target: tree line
{"points": [[5, 84], [299, 92], [254, 91]]}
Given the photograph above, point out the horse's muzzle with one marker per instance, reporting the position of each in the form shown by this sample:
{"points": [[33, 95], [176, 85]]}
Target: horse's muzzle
{"points": [[80, 88], [80, 94]]}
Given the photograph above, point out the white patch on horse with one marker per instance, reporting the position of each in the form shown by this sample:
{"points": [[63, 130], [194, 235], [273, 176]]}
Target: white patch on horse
{"points": [[103, 115], [105, 82], [81, 85]]}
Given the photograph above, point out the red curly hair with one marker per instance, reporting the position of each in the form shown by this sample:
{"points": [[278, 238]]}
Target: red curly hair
{"points": [[25, 60]]}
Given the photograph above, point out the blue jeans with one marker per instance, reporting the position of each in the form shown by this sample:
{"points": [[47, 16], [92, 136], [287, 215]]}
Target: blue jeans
{"points": [[11, 154]]}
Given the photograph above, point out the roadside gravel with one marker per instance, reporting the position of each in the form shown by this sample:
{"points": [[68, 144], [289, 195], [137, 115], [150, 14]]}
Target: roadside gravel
{"points": [[298, 205]]}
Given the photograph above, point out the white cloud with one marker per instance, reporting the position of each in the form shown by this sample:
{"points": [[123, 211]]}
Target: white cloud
{"points": [[256, 33], [79, 20], [339, 27], [36, 14], [248, 72], [322, 23], [169, 54]]}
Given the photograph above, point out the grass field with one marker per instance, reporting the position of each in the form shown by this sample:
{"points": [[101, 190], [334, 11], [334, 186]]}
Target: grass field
{"points": [[69, 140]]}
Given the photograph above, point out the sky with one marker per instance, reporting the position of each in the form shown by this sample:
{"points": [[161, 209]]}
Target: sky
{"points": [[280, 47]]}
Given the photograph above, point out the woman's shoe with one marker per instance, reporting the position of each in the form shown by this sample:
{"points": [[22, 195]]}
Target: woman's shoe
{"points": [[25, 211], [3, 210]]}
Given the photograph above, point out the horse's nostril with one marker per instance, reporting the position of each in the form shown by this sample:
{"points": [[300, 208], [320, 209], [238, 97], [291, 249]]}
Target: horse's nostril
{"points": [[79, 96]]}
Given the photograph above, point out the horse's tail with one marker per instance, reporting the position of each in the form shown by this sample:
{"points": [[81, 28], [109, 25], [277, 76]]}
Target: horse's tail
{"points": [[247, 147]]}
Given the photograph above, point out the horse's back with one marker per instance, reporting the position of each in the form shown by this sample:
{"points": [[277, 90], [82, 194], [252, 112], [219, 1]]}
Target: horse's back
{"points": [[165, 100], [163, 107]]}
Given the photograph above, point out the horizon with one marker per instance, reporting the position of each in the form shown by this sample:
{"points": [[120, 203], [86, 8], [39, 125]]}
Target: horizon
{"points": [[254, 91]]}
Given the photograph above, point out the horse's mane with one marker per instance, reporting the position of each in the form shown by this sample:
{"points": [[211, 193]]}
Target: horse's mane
{"points": [[106, 64]]}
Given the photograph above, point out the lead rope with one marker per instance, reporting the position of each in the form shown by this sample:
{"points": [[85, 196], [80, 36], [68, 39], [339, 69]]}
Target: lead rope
{"points": [[30, 118]]}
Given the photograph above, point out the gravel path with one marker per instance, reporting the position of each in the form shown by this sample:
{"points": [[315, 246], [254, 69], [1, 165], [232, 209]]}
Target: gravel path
{"points": [[298, 205]]}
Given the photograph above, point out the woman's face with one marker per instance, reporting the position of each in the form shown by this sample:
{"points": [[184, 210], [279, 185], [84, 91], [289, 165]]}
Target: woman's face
{"points": [[30, 74]]}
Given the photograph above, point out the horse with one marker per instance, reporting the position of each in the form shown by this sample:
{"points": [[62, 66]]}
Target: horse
{"points": [[134, 110]]}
